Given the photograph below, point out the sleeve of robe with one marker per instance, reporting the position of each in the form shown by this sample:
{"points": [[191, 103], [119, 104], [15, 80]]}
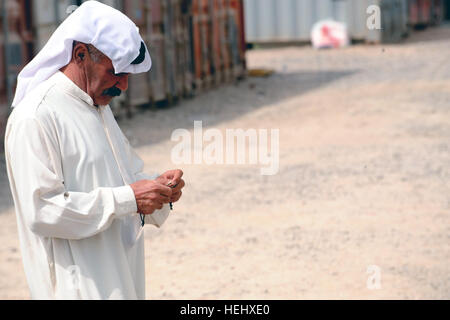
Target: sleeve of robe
{"points": [[51, 211], [158, 217]]}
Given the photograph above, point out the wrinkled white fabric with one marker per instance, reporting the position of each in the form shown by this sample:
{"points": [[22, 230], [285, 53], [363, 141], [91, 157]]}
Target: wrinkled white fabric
{"points": [[69, 167], [106, 28]]}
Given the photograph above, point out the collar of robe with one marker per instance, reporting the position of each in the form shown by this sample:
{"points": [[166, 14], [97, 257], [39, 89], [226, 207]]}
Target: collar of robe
{"points": [[64, 83]]}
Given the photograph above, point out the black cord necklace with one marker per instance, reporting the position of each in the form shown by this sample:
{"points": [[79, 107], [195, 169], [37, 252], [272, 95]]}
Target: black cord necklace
{"points": [[142, 219]]}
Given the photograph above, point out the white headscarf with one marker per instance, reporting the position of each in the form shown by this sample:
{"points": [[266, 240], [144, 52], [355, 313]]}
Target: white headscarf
{"points": [[106, 28]]}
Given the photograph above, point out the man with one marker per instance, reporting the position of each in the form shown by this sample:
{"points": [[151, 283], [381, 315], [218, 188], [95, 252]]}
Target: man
{"points": [[80, 195]]}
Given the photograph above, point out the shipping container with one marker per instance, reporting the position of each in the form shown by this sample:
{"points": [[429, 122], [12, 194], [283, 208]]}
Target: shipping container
{"points": [[177, 48], [16, 49], [164, 26], [220, 59], [182, 20], [419, 13], [236, 32], [394, 22], [292, 20], [194, 44], [437, 12], [423, 13], [201, 35], [156, 45], [218, 40], [138, 92], [283, 21]]}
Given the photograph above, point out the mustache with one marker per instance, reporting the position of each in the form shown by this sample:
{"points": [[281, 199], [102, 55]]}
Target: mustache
{"points": [[112, 92]]}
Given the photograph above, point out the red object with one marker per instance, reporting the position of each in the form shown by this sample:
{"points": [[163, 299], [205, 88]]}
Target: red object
{"points": [[329, 37]]}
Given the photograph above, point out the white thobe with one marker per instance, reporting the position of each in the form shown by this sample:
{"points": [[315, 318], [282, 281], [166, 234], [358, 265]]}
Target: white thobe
{"points": [[69, 167]]}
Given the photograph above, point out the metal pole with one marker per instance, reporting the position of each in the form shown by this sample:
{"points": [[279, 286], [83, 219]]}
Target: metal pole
{"points": [[56, 10]]}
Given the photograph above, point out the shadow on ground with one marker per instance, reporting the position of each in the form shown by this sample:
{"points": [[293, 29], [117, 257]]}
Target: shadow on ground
{"points": [[224, 104]]}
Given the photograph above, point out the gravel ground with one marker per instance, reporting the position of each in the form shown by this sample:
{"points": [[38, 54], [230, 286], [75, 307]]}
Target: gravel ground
{"points": [[363, 180]]}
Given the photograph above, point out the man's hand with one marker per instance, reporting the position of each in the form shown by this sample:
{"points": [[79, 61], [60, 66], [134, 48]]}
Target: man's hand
{"points": [[151, 195], [173, 179]]}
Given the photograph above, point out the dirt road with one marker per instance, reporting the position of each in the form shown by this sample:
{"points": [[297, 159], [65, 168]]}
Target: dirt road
{"points": [[363, 181]]}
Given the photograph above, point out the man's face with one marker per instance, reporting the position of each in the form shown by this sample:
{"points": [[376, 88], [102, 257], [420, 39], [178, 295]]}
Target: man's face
{"points": [[102, 83]]}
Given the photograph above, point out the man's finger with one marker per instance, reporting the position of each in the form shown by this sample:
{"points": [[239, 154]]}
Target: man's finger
{"points": [[164, 190], [164, 199], [159, 205], [179, 186], [176, 196], [175, 176]]}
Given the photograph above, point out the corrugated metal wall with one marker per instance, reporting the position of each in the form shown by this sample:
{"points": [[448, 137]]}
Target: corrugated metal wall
{"points": [[292, 20], [426, 12], [16, 49]]}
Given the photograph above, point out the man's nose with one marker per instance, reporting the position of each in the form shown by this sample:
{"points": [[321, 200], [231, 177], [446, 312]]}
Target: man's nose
{"points": [[122, 84]]}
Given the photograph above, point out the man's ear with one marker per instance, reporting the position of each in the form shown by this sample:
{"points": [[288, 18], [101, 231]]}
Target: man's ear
{"points": [[79, 53]]}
